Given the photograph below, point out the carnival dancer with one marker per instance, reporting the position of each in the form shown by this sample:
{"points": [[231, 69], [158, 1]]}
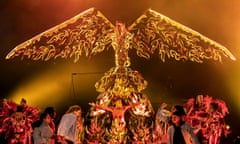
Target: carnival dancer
{"points": [[161, 123], [180, 132], [43, 134], [52, 113], [214, 124], [207, 118], [17, 123], [197, 115], [68, 126], [118, 129]]}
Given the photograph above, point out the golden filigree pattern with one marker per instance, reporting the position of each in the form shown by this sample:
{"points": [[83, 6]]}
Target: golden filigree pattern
{"points": [[121, 82], [156, 32], [85, 34]]}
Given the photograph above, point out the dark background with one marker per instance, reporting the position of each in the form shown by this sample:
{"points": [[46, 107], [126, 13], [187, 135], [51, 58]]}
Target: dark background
{"points": [[61, 82]]}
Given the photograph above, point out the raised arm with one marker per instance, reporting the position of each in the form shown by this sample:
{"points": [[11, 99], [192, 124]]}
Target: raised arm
{"points": [[100, 107]]}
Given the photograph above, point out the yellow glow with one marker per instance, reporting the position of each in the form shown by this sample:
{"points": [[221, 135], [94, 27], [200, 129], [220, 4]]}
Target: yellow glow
{"points": [[233, 79], [50, 87], [39, 93], [233, 82]]}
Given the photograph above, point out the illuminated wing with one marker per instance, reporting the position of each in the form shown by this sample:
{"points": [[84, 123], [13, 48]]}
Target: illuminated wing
{"points": [[85, 34], [153, 31]]}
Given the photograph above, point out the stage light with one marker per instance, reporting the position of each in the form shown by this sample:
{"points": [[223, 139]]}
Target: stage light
{"points": [[228, 127]]}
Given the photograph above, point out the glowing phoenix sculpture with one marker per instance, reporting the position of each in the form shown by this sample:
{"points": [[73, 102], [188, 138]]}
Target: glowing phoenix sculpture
{"points": [[90, 33]]}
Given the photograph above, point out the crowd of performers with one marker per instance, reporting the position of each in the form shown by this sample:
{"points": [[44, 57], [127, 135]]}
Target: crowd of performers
{"points": [[24, 124], [204, 114], [198, 121]]}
